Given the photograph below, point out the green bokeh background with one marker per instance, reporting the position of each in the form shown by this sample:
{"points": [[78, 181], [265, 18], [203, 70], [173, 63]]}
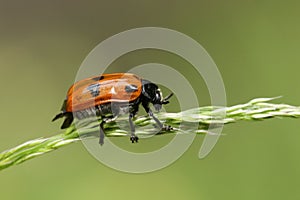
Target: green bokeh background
{"points": [[255, 44]]}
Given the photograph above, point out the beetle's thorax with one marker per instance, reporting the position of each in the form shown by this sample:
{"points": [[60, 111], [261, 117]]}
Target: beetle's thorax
{"points": [[151, 94]]}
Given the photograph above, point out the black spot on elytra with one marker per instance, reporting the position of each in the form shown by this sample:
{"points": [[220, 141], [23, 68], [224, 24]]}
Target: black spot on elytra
{"points": [[131, 88], [98, 78], [94, 89], [95, 93]]}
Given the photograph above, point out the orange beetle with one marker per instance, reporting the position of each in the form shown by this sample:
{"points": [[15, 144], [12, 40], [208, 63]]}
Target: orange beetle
{"points": [[110, 95]]}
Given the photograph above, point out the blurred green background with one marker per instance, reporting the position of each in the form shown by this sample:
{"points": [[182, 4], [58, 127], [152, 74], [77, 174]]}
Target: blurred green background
{"points": [[255, 44]]}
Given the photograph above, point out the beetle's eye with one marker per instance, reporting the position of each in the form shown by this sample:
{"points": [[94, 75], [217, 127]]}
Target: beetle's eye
{"points": [[157, 95]]}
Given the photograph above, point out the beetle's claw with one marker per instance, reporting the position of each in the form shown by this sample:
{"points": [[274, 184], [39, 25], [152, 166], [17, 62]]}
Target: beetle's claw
{"points": [[166, 128], [134, 138]]}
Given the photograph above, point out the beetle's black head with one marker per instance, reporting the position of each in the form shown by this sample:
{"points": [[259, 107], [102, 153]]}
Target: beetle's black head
{"points": [[152, 94]]}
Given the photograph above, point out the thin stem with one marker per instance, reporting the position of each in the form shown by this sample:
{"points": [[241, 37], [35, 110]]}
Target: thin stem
{"points": [[256, 109]]}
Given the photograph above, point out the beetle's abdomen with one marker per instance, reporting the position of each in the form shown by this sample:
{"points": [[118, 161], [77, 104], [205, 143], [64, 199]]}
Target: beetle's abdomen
{"points": [[106, 110]]}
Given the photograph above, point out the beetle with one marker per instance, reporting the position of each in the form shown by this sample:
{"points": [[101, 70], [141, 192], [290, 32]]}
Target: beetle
{"points": [[110, 95]]}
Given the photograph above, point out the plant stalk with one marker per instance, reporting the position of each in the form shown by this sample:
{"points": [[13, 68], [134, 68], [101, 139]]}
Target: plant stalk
{"points": [[256, 109]]}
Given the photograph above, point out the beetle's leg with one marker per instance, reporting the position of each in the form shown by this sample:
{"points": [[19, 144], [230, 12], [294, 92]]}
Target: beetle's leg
{"points": [[101, 126], [133, 137], [101, 139], [102, 134], [161, 126], [150, 113]]}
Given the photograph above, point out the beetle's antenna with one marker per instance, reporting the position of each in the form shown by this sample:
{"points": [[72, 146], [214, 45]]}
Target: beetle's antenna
{"points": [[165, 100]]}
